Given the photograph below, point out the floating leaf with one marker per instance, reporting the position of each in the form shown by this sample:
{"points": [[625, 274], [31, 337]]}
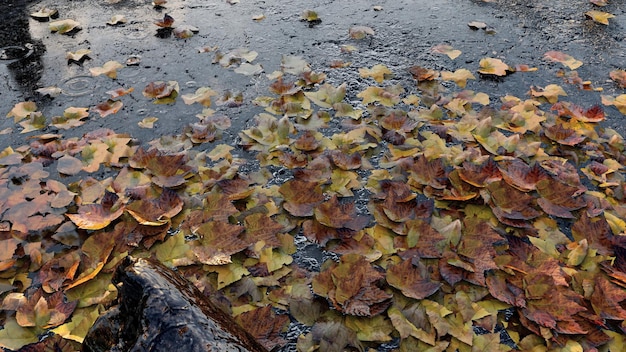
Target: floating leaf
{"points": [[69, 165], [475, 25], [185, 31], [22, 110], [165, 92], [109, 69], [619, 76], [249, 69], [202, 95], [311, 17], [45, 14], [63, 26], [379, 73], [360, 32], [78, 56], [566, 60], [619, 102], [459, 76], [599, 16], [147, 122], [447, 50], [551, 92], [166, 22], [117, 19], [491, 66], [108, 107]]}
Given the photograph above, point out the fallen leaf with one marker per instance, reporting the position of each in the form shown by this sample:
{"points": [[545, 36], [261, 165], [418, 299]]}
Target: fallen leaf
{"points": [[63, 26], [475, 25], [599, 16], [566, 60], [166, 22], [22, 110], [147, 122], [360, 32], [45, 14], [459, 76], [619, 76], [551, 92], [109, 69], [249, 69], [447, 50], [78, 55], [619, 102], [108, 107], [202, 95], [97, 216], [379, 73], [117, 19], [491, 66]]}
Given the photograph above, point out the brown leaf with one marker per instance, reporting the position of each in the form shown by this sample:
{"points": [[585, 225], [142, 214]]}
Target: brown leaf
{"points": [[301, 197], [414, 282], [351, 287], [98, 216], [480, 175], [158, 211], [260, 227], [108, 107], [423, 74], [218, 241], [333, 214], [265, 326]]}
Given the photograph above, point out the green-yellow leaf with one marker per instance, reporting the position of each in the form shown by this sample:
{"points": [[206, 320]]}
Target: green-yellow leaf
{"points": [[14, 337]]}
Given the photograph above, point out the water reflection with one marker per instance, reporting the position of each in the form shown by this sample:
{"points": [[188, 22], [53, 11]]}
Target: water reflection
{"points": [[19, 52]]}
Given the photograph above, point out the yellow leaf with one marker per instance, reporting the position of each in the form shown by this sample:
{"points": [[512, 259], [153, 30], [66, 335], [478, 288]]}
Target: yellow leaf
{"points": [[63, 26], [447, 50], [619, 102], [491, 66], [77, 328], [551, 92], [459, 76], [379, 73], [148, 122], [109, 69], [599, 16], [22, 110]]}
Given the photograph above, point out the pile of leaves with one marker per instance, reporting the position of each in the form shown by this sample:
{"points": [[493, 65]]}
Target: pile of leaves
{"points": [[491, 223]]}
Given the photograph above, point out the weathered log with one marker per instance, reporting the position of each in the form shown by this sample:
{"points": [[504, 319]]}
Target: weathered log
{"points": [[158, 310]]}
